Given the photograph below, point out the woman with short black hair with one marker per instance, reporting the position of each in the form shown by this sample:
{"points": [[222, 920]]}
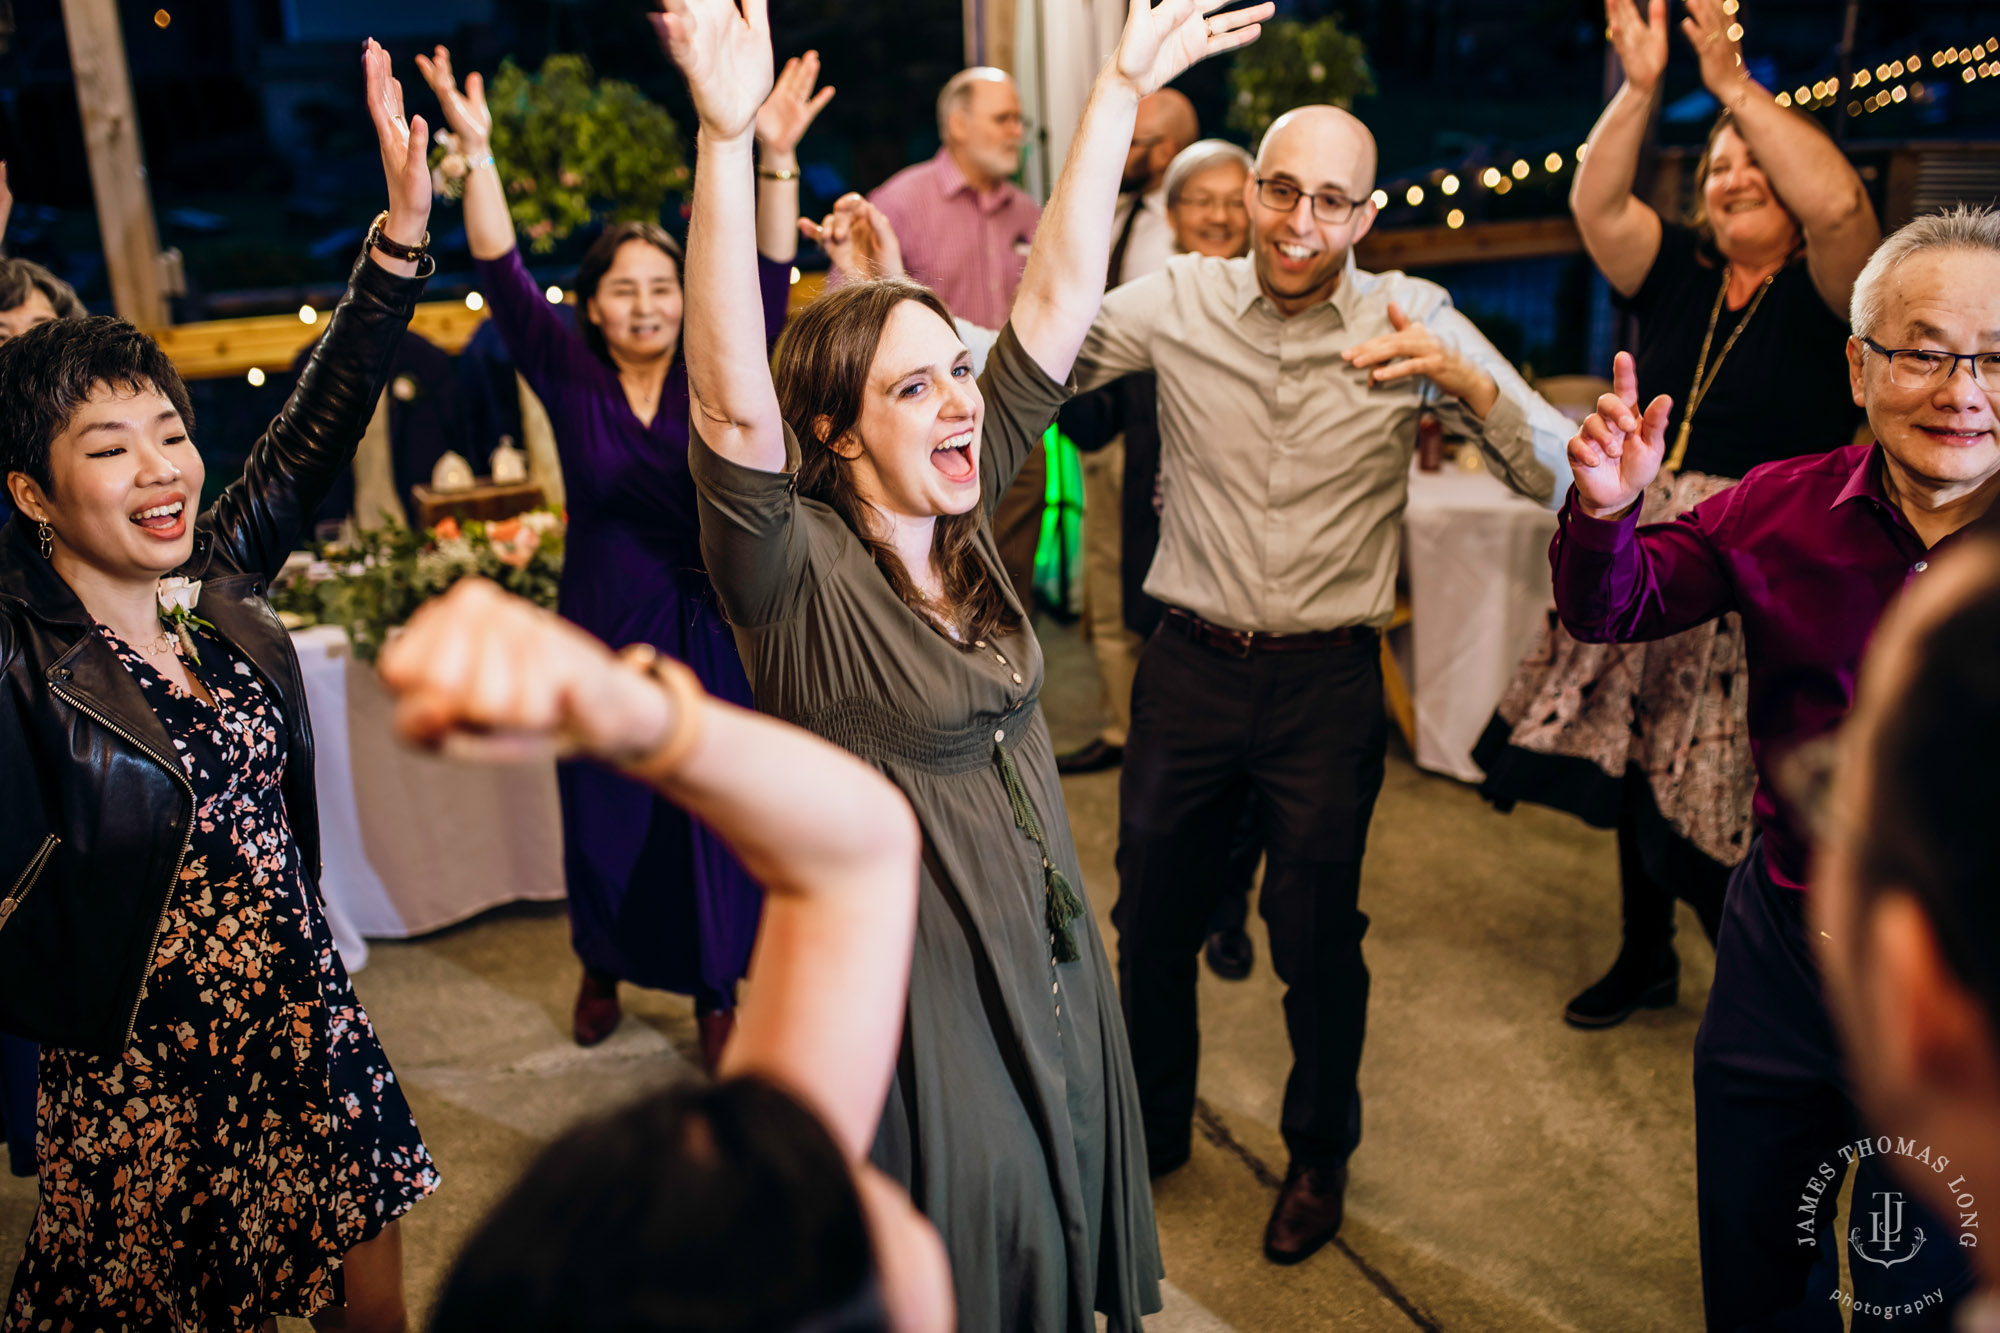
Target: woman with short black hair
{"points": [[221, 1138], [654, 898]]}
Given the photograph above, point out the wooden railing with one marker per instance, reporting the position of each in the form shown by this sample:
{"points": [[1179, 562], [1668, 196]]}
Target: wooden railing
{"points": [[218, 348]]}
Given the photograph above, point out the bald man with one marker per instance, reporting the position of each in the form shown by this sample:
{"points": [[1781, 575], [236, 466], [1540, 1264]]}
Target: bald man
{"points": [[1290, 383]]}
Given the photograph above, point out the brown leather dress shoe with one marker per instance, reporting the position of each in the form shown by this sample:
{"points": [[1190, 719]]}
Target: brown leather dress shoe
{"points": [[597, 1012], [1308, 1215]]}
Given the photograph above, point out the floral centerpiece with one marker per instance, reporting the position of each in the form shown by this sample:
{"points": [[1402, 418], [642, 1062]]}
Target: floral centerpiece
{"points": [[1296, 64], [570, 148], [377, 582]]}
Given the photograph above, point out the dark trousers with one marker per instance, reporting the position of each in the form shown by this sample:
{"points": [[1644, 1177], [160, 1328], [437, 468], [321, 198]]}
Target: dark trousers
{"points": [[1772, 1114], [1656, 865], [1306, 733]]}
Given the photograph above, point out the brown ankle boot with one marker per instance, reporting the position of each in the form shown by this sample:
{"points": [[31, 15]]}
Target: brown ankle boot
{"points": [[1309, 1212]]}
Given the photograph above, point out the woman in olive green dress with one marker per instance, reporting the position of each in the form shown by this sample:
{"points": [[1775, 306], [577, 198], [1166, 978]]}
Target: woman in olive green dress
{"points": [[869, 600]]}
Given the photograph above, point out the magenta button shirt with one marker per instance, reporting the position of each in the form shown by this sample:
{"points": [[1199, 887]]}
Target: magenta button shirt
{"points": [[1809, 551], [967, 247]]}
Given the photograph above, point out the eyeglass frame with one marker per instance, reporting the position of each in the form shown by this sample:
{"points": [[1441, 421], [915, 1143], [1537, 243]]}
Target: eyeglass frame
{"points": [[1264, 182], [1890, 354]]}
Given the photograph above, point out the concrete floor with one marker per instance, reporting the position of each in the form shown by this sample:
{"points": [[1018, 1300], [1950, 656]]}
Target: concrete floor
{"points": [[1514, 1174]]}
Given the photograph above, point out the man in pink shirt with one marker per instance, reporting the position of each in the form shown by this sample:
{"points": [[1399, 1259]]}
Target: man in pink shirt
{"points": [[965, 229]]}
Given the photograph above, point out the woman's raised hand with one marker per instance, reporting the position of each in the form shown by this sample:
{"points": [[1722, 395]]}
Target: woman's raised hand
{"points": [[1718, 43], [1617, 452], [405, 147], [790, 109], [725, 55], [1641, 41], [482, 672], [858, 239], [1161, 41], [465, 112]]}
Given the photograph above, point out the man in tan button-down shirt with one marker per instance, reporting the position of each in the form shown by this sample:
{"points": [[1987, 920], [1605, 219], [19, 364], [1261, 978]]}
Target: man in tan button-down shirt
{"points": [[1290, 383]]}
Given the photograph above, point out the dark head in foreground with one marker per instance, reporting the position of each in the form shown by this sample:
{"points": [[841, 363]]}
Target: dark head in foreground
{"points": [[699, 1210], [1906, 895]]}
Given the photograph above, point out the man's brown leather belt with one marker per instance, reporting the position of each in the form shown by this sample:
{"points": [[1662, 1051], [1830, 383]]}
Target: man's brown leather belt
{"points": [[1243, 642]]}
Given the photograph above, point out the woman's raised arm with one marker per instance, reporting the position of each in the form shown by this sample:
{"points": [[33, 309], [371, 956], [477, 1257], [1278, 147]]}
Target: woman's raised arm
{"points": [[489, 228], [1619, 229], [726, 58], [1064, 281]]}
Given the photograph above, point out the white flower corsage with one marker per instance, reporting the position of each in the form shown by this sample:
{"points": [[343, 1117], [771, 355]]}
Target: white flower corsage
{"points": [[177, 601]]}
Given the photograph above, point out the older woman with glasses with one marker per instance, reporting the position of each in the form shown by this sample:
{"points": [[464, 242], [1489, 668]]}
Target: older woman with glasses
{"points": [[1653, 739]]}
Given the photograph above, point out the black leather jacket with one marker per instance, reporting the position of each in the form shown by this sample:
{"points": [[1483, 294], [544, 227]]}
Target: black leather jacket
{"points": [[95, 817]]}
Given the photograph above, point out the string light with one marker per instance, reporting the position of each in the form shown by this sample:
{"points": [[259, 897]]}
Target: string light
{"points": [[308, 315], [161, 18], [1584, 148], [1862, 78], [1504, 186], [1415, 194], [1380, 199], [256, 378], [1783, 99], [1490, 177], [474, 301], [1520, 168], [1449, 184], [554, 294], [1454, 219], [1554, 163]]}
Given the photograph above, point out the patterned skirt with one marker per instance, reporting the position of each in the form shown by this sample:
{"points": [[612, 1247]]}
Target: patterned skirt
{"points": [[1579, 716]]}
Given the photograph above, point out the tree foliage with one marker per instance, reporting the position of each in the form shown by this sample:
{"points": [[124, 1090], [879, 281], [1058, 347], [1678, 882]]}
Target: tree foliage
{"points": [[1296, 64], [571, 148]]}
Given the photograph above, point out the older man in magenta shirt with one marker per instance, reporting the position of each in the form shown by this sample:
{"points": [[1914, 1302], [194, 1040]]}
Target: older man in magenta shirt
{"points": [[1809, 551]]}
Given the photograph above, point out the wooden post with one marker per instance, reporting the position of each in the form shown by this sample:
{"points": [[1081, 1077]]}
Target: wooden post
{"points": [[117, 164]]}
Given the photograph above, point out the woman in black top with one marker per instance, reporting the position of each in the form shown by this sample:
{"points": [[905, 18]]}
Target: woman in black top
{"points": [[221, 1138], [1742, 321]]}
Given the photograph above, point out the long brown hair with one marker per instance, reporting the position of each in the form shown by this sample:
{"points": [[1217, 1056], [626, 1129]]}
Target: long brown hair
{"points": [[821, 374]]}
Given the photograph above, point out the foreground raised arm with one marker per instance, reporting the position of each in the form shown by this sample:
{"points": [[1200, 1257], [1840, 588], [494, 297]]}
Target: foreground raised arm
{"points": [[1064, 281], [833, 843], [726, 58]]}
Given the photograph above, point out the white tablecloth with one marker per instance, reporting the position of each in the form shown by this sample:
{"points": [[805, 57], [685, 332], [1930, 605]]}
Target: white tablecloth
{"points": [[410, 843], [1477, 556]]}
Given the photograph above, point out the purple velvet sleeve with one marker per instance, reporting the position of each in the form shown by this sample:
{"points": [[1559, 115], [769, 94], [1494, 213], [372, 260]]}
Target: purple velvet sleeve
{"points": [[774, 285], [1618, 582], [544, 349]]}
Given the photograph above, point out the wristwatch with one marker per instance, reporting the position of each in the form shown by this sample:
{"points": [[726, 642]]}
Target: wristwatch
{"points": [[418, 254]]}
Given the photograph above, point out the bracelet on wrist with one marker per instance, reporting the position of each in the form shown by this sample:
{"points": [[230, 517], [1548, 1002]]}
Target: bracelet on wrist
{"points": [[784, 174], [684, 690], [474, 161], [418, 254]]}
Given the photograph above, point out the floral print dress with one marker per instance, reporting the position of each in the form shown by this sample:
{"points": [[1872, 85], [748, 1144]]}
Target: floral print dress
{"points": [[216, 1173]]}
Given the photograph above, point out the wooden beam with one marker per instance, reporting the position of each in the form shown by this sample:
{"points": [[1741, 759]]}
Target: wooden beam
{"points": [[117, 163], [1481, 243]]}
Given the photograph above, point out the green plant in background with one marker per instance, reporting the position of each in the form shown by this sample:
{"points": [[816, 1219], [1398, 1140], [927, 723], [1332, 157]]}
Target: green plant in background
{"points": [[570, 148], [1295, 64], [376, 582]]}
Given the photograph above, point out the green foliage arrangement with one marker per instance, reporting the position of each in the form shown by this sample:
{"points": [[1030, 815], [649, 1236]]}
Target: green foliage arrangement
{"points": [[377, 583], [1296, 64], [571, 147]]}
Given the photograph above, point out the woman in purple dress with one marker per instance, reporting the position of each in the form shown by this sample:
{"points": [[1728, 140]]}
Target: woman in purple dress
{"points": [[654, 898]]}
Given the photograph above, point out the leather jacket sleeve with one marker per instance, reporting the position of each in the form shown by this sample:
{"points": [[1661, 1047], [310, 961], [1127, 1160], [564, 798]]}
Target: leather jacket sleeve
{"points": [[262, 516]]}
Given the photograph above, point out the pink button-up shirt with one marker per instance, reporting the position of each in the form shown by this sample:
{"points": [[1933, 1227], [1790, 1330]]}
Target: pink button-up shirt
{"points": [[967, 247]]}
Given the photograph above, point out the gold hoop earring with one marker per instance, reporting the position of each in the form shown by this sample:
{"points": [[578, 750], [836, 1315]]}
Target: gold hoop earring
{"points": [[46, 538]]}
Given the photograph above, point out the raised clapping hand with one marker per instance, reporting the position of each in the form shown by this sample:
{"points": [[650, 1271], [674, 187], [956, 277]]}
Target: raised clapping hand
{"points": [[483, 674], [1641, 43], [857, 237], [1160, 42], [725, 55], [1617, 452], [790, 109], [405, 146], [1718, 44], [1412, 349], [465, 112]]}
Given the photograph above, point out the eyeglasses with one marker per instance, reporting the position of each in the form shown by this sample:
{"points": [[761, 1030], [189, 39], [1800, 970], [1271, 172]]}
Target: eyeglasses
{"points": [[1202, 203], [1326, 205], [1915, 368]]}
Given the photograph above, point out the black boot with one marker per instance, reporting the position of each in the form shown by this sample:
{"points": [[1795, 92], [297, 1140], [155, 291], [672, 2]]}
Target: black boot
{"points": [[1648, 980]]}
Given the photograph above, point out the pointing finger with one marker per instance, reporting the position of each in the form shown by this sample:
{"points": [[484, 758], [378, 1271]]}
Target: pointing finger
{"points": [[1625, 378]]}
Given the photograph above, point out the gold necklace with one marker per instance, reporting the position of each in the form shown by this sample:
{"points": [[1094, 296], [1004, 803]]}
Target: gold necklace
{"points": [[1699, 389]]}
